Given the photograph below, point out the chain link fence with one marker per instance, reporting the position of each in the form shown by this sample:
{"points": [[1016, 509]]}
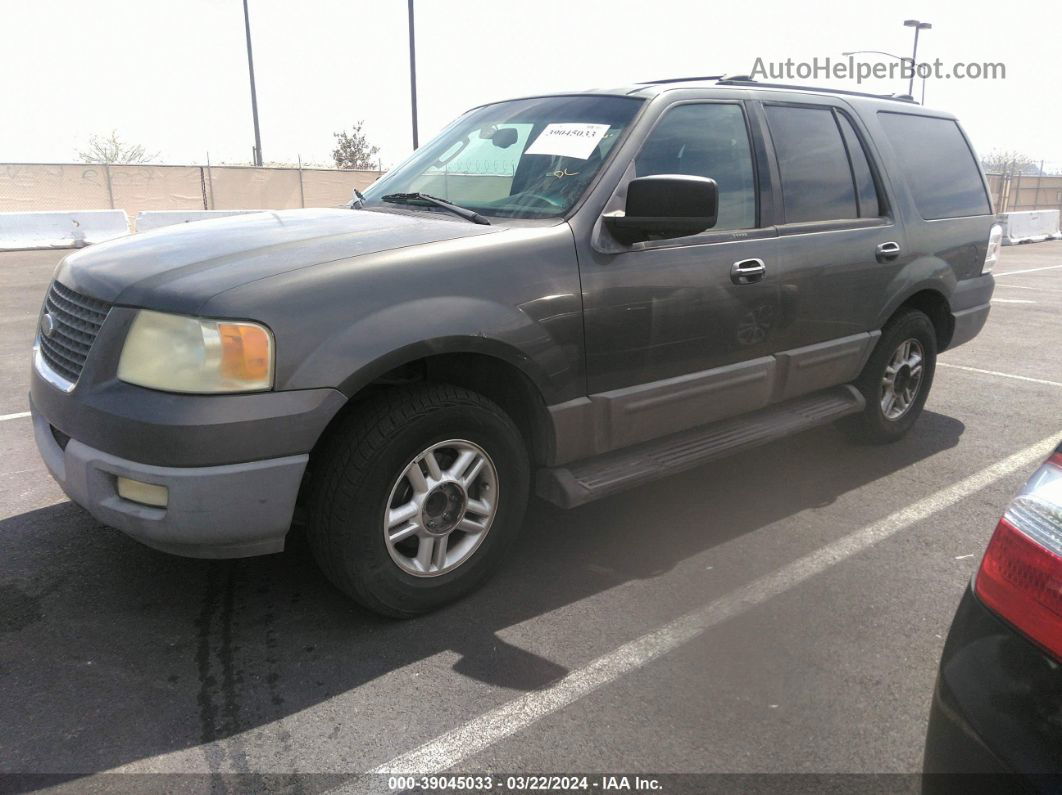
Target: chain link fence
{"points": [[29, 187]]}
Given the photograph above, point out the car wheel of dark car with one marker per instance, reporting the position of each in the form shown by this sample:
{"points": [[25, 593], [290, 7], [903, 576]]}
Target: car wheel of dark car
{"points": [[415, 497], [896, 379]]}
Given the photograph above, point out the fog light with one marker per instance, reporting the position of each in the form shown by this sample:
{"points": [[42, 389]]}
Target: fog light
{"points": [[144, 493]]}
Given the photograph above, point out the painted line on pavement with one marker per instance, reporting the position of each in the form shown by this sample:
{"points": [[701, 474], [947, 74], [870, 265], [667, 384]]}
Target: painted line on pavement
{"points": [[18, 416], [999, 374], [1027, 287], [1012, 301], [1028, 270], [469, 739]]}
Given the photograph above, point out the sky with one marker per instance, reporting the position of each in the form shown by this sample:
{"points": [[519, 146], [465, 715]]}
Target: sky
{"points": [[172, 74]]}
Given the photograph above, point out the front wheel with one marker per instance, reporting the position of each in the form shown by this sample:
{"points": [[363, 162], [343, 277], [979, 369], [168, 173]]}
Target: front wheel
{"points": [[896, 379], [415, 497]]}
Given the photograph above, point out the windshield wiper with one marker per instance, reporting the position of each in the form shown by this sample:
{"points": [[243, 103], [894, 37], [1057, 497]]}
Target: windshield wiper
{"points": [[408, 198]]}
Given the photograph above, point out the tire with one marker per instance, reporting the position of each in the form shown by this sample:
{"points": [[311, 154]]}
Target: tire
{"points": [[364, 472], [873, 425]]}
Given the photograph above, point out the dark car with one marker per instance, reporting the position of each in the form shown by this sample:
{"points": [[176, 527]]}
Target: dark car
{"points": [[572, 294], [997, 708]]}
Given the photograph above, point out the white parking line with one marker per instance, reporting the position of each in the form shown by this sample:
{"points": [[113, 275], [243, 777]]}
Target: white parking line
{"points": [[1028, 270], [18, 416], [1038, 288], [1012, 301], [454, 746], [998, 374]]}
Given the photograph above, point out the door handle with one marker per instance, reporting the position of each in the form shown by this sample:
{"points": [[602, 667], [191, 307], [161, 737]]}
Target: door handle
{"points": [[886, 252], [748, 271]]}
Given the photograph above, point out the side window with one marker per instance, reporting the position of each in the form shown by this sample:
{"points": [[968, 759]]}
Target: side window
{"points": [[938, 165], [866, 192], [706, 140], [816, 179]]}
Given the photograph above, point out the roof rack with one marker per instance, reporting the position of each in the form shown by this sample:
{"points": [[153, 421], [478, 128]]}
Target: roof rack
{"points": [[743, 80], [746, 80], [680, 80]]}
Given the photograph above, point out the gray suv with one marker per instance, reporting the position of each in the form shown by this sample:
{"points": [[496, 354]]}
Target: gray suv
{"points": [[570, 294]]}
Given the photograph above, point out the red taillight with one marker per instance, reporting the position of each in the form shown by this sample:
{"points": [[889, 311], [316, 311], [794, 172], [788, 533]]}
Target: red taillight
{"points": [[1021, 574]]}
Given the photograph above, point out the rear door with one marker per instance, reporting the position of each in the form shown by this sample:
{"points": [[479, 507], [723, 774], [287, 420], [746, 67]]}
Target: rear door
{"points": [[840, 244], [952, 214]]}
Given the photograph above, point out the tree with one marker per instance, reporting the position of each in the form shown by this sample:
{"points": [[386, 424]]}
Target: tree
{"points": [[112, 149], [1008, 161], [353, 149]]}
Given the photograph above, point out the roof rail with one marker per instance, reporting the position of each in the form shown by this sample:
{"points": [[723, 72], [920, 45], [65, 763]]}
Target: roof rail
{"points": [[746, 80], [743, 80], [680, 80]]}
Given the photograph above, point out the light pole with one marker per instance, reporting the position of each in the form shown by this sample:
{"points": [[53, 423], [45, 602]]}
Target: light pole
{"points": [[918, 26], [254, 95], [891, 55], [412, 74]]}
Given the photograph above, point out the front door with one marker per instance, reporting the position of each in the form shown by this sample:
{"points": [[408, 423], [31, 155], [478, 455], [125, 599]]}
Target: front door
{"points": [[680, 332]]}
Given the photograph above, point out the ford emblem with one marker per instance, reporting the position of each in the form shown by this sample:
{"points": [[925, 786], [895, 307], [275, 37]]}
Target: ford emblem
{"points": [[47, 325]]}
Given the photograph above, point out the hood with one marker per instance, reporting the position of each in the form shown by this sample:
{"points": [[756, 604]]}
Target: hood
{"points": [[179, 268]]}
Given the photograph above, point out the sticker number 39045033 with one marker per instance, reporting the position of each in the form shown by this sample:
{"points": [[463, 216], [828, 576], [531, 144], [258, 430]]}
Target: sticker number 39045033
{"points": [[569, 139]]}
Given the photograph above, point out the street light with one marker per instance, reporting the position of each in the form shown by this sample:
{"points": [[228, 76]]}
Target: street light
{"points": [[413, 75], [898, 58], [254, 96], [914, 23]]}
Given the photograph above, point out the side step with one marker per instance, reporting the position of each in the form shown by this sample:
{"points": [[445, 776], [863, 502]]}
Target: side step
{"points": [[592, 478]]}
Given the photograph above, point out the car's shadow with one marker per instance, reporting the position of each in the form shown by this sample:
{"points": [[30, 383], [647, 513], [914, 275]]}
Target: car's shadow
{"points": [[111, 652]]}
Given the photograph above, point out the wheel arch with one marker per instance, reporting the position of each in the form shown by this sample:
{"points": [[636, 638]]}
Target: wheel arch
{"points": [[931, 301], [491, 368], [936, 306]]}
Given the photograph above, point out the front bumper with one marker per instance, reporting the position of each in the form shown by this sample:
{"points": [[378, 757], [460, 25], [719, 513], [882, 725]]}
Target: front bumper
{"points": [[232, 464], [232, 510]]}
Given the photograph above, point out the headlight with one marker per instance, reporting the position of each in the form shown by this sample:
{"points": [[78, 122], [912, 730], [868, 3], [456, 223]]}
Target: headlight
{"points": [[186, 354]]}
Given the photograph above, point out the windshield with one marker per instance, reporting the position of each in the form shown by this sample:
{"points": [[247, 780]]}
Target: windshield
{"points": [[529, 158]]}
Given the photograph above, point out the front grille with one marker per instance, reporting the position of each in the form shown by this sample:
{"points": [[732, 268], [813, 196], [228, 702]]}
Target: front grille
{"points": [[76, 320]]}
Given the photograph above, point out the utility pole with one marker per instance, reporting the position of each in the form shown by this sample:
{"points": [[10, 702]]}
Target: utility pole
{"points": [[918, 26], [254, 95], [412, 74]]}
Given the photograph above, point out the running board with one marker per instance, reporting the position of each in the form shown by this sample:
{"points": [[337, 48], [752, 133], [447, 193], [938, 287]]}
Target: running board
{"points": [[592, 478]]}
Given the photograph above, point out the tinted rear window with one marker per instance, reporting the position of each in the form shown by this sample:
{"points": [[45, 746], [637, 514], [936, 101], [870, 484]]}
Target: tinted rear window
{"points": [[938, 165], [816, 178]]}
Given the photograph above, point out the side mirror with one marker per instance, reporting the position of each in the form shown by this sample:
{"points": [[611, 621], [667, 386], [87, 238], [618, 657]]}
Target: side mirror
{"points": [[665, 205]]}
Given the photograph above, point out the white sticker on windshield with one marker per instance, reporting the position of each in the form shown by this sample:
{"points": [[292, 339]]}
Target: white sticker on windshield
{"points": [[570, 139]]}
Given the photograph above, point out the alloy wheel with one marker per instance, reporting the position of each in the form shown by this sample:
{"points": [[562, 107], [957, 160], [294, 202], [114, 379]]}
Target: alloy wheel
{"points": [[902, 379], [441, 508]]}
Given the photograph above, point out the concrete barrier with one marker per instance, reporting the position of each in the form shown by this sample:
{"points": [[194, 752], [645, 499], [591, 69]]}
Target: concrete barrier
{"points": [[70, 229], [156, 219], [1030, 227]]}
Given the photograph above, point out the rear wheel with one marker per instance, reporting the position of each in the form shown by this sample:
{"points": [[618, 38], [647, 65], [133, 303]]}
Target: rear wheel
{"points": [[896, 379], [416, 496]]}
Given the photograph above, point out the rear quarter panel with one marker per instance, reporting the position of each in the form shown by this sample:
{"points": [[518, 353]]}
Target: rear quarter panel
{"points": [[942, 252]]}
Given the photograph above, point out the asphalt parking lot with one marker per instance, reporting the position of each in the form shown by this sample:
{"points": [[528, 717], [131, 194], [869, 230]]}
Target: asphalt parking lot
{"points": [[782, 611]]}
